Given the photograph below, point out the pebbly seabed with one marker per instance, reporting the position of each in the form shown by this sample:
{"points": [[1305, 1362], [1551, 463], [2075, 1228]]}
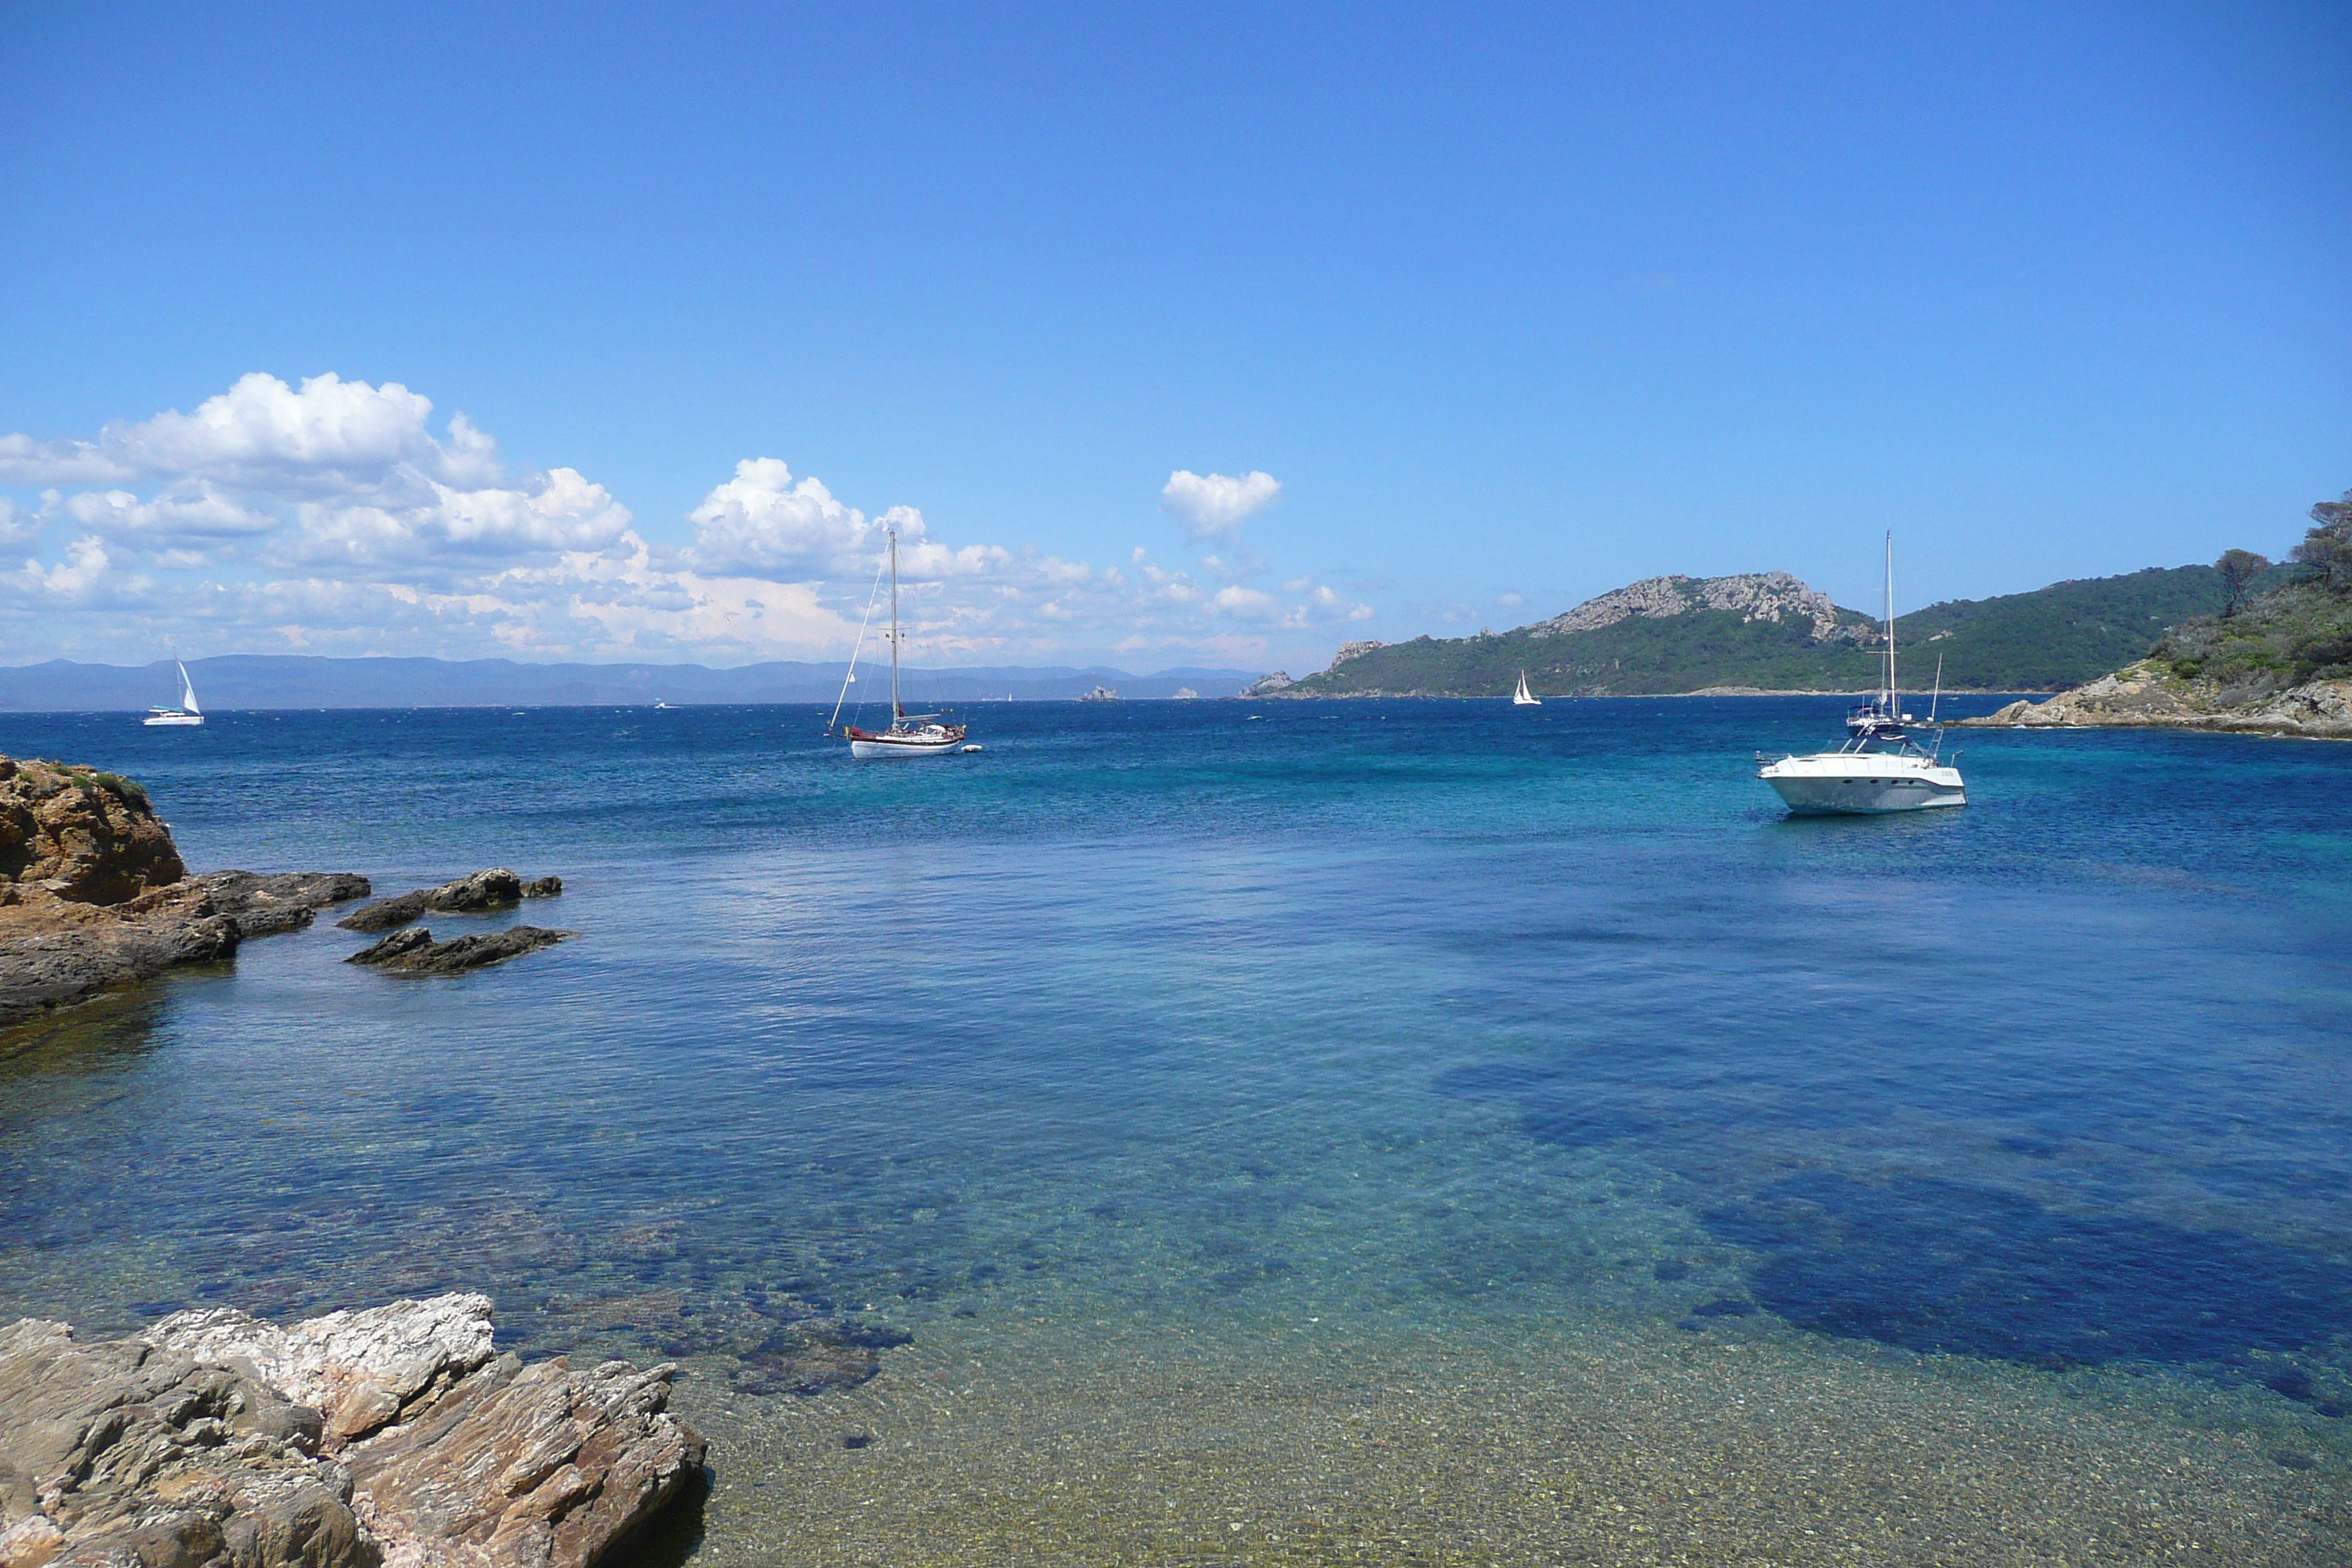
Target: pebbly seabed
{"points": [[1307, 1131]]}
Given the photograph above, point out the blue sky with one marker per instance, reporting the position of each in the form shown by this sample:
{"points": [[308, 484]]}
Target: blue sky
{"points": [[1528, 301]]}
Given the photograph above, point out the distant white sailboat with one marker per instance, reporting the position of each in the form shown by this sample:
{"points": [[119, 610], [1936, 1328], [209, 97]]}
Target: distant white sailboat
{"points": [[187, 712], [1523, 698], [910, 734]]}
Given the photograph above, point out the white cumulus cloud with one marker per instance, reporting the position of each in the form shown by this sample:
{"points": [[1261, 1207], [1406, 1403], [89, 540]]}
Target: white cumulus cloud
{"points": [[337, 516], [332, 435], [1215, 506]]}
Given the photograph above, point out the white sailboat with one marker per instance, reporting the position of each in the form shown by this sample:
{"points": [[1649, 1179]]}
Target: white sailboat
{"points": [[1523, 698], [187, 712], [910, 734], [1880, 768]]}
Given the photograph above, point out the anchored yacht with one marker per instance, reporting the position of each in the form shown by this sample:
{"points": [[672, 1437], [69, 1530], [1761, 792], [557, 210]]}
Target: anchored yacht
{"points": [[910, 734], [1880, 768]]}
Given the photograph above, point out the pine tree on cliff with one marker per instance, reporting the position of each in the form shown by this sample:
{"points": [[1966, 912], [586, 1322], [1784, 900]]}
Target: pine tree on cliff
{"points": [[2238, 568], [2326, 549]]}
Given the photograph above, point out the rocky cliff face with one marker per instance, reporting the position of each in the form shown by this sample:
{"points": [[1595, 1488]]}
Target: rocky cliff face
{"points": [[83, 836], [394, 1436], [1774, 596], [2149, 695]]}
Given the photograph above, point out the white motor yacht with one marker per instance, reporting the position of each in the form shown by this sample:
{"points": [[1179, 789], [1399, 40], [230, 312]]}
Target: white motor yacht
{"points": [[1880, 768], [910, 734]]}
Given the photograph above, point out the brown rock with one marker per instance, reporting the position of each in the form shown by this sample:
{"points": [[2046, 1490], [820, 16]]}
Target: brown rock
{"points": [[121, 1452], [182, 1446], [495, 888], [84, 835], [526, 1465]]}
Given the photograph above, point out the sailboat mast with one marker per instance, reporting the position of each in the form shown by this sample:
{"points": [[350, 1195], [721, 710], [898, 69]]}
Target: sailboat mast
{"points": [[897, 712], [1890, 621]]}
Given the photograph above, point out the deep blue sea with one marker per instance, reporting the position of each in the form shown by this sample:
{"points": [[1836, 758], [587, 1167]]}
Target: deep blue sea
{"points": [[1173, 1035]]}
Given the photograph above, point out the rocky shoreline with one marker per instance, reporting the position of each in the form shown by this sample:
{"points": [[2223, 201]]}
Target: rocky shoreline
{"points": [[2147, 695], [94, 895], [393, 1437]]}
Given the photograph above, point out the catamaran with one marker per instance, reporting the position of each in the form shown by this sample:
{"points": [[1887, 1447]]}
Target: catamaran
{"points": [[187, 712], [1523, 698], [1880, 768], [910, 734]]}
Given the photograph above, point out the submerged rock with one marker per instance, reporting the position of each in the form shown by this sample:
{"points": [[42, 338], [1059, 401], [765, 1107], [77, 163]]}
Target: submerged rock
{"points": [[202, 1442], [817, 1357], [414, 950], [496, 888]]}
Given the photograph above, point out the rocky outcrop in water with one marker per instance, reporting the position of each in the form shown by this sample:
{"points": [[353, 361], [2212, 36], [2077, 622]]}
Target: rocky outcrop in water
{"points": [[93, 893], [270, 904], [1267, 685], [496, 888], [83, 836], [2149, 695], [394, 1436], [414, 950]]}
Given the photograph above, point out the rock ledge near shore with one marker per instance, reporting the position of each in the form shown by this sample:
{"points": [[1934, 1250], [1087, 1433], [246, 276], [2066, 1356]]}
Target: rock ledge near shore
{"points": [[2147, 695], [394, 1436]]}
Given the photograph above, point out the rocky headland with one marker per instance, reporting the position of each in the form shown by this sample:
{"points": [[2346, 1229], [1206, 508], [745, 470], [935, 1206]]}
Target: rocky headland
{"points": [[93, 893], [392, 1437], [2151, 695], [2277, 662]]}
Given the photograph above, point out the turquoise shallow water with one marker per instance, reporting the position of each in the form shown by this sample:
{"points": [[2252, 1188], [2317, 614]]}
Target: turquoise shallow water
{"points": [[1422, 1018]]}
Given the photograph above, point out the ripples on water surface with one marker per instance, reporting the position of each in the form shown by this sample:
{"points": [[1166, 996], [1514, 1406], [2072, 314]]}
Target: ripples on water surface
{"points": [[1364, 1132]]}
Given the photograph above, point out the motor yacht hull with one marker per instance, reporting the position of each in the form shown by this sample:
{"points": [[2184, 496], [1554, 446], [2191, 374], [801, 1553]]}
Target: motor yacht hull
{"points": [[1851, 783]]}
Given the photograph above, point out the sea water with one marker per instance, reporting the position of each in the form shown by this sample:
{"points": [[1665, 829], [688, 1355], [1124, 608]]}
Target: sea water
{"points": [[1316, 1132]]}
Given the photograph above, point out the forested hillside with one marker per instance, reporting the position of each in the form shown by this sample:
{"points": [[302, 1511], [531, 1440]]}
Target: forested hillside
{"points": [[1771, 633]]}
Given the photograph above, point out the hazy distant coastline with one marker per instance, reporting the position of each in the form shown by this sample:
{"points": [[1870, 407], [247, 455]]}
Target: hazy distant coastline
{"points": [[294, 680]]}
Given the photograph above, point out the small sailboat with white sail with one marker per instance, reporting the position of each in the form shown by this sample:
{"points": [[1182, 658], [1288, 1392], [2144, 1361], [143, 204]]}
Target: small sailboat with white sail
{"points": [[186, 713], [1523, 698], [910, 734], [1880, 768]]}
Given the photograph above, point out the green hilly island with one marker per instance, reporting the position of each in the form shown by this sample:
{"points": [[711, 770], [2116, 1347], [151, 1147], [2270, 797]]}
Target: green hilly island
{"points": [[1770, 632]]}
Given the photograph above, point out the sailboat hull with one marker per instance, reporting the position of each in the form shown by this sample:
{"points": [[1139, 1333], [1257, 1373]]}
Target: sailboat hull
{"points": [[869, 750], [174, 719], [933, 741]]}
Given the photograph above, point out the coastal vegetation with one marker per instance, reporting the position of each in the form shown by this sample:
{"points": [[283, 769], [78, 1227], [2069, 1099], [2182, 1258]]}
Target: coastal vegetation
{"points": [[1770, 632], [2275, 661]]}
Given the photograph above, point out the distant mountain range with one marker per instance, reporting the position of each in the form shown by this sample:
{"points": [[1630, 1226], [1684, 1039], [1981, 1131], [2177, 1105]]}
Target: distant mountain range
{"points": [[288, 680], [1770, 632]]}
